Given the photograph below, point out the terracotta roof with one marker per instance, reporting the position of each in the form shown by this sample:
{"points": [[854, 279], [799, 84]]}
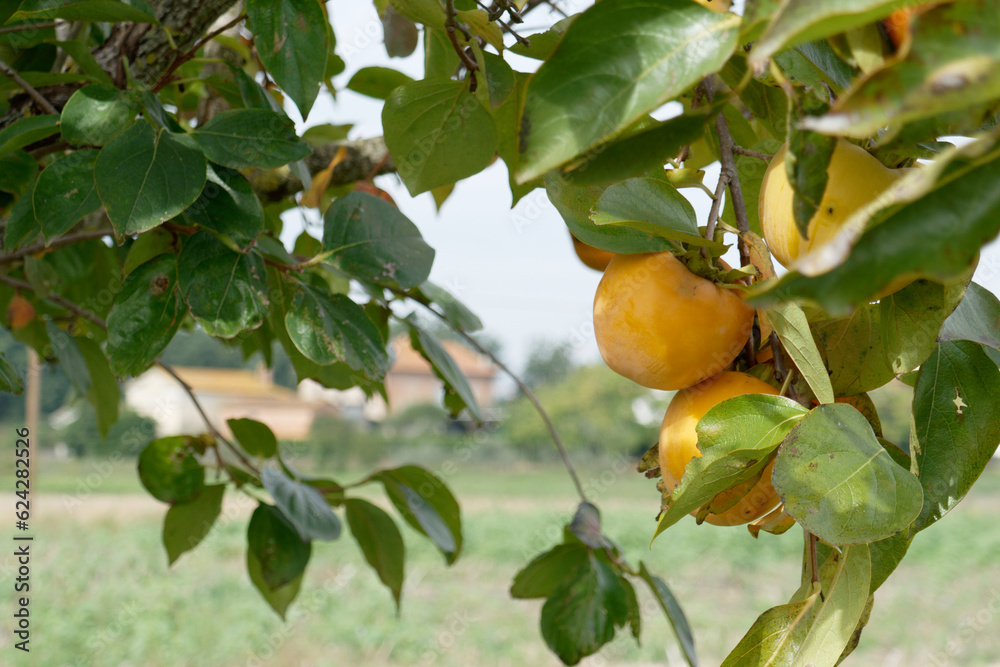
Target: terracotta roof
{"points": [[470, 362], [233, 382]]}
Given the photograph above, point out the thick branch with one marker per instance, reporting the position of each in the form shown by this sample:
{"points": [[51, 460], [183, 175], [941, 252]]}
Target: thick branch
{"points": [[363, 159], [146, 47]]}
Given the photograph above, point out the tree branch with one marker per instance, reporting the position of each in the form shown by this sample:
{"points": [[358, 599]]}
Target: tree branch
{"points": [[69, 239], [27, 26], [39, 99], [55, 298], [363, 159], [204, 416]]}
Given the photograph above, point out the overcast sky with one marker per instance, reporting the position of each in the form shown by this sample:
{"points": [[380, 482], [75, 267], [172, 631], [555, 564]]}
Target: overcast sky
{"points": [[515, 268]]}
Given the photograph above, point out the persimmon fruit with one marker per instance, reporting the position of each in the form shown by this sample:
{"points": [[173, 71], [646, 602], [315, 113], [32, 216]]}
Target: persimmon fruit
{"points": [[595, 258], [854, 178], [679, 441], [664, 327]]}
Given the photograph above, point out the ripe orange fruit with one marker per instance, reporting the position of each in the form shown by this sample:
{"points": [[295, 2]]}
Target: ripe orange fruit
{"points": [[664, 327], [595, 258], [854, 178], [679, 441]]}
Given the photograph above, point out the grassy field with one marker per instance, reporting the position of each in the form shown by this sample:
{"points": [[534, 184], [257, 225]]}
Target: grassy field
{"points": [[102, 594]]}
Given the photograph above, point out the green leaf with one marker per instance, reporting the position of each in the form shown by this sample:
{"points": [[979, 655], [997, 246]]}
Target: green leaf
{"points": [[581, 614], [278, 597], [886, 555], [228, 205], [956, 410], [575, 204], [289, 35], [400, 34], [10, 379], [380, 542], [370, 239], [147, 177], [846, 580], [377, 82], [937, 236], [546, 572], [651, 205], [455, 312], [96, 114], [636, 154], [587, 91], [187, 524], [281, 553], [250, 138], [327, 328], [65, 193], [303, 506], [438, 133], [798, 21], [542, 45], [735, 439], [792, 328], [427, 505], [806, 164], [866, 349], [225, 290], [774, 638], [254, 437], [500, 79], [458, 393], [954, 64], [146, 314], [27, 131], [17, 172], [977, 318], [675, 615], [838, 482], [71, 360], [169, 470], [82, 56], [428, 12], [112, 11], [815, 630]]}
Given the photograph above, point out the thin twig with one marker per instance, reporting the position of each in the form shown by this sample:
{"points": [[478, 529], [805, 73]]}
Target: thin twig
{"points": [[208, 422], [39, 99], [739, 150], [713, 213], [452, 24], [69, 239], [55, 298], [503, 24], [27, 26], [164, 79], [726, 149], [530, 395]]}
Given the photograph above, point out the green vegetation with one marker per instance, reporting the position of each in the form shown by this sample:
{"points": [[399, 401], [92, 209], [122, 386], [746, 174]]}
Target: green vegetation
{"points": [[105, 606]]}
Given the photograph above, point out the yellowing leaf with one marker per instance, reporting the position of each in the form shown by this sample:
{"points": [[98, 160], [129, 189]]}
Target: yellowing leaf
{"points": [[321, 181], [481, 26]]}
